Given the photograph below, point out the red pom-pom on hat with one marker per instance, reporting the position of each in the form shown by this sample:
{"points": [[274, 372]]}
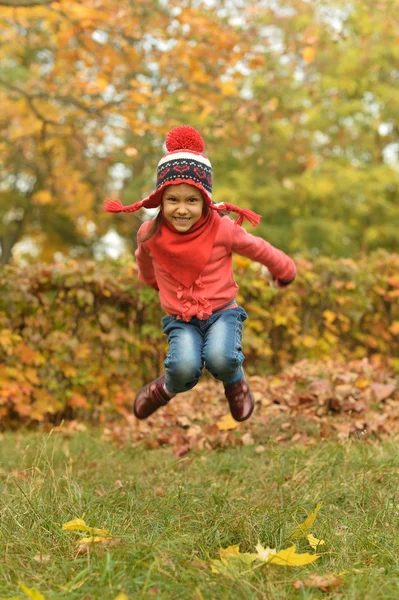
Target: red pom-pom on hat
{"points": [[184, 138]]}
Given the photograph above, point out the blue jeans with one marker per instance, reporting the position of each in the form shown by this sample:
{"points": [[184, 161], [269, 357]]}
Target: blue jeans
{"points": [[215, 342]]}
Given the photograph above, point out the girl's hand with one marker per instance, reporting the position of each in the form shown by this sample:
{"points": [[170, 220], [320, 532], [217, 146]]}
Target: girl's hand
{"points": [[273, 281], [267, 275]]}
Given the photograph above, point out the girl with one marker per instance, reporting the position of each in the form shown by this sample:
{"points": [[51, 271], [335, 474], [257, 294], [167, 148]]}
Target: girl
{"points": [[186, 254]]}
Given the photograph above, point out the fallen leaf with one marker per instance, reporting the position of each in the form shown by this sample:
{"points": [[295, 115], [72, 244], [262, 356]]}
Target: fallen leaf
{"points": [[42, 558], [382, 391], [226, 423], [226, 553], [247, 439], [80, 525], [118, 484], [94, 539], [314, 542], [34, 594], [362, 383], [181, 451], [264, 554], [324, 583], [303, 528], [232, 562], [289, 558], [84, 546]]}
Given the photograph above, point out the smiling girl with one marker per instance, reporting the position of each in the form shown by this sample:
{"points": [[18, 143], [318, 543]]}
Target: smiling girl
{"points": [[186, 254]]}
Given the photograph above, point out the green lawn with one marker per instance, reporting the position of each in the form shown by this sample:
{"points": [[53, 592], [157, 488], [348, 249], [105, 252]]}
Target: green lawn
{"points": [[172, 515]]}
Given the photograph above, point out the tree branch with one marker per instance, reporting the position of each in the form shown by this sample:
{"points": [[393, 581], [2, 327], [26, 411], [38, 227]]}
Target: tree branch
{"points": [[29, 100]]}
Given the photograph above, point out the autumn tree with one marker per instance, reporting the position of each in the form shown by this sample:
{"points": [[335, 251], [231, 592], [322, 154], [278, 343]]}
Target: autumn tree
{"points": [[322, 165], [85, 91], [296, 101]]}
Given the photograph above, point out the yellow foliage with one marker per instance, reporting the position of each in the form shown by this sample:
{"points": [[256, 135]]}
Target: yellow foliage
{"points": [[309, 54], [42, 197]]}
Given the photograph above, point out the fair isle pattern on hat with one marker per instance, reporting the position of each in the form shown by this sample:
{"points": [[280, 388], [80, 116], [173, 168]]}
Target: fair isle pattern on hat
{"points": [[186, 166], [184, 163]]}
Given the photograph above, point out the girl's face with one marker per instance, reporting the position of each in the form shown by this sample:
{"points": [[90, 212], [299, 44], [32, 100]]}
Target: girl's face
{"points": [[182, 206]]}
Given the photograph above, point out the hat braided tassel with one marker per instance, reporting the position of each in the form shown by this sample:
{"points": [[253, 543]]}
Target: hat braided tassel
{"points": [[116, 206], [243, 213]]}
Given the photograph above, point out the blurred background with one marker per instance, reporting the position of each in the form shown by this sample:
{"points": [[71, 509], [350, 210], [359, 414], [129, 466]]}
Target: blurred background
{"points": [[297, 102]]}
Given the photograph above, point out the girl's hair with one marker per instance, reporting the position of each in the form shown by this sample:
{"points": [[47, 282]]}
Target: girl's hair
{"points": [[156, 223]]}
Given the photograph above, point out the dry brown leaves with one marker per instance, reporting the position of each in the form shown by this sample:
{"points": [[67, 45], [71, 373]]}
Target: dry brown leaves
{"points": [[308, 401]]}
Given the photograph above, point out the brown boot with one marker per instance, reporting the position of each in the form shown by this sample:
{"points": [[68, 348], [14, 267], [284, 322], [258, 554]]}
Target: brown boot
{"points": [[151, 397], [240, 399]]}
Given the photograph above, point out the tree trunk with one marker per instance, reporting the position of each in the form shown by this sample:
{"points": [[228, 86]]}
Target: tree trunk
{"points": [[9, 239]]}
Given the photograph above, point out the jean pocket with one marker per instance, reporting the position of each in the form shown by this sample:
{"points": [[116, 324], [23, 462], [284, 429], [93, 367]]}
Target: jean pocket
{"points": [[242, 315]]}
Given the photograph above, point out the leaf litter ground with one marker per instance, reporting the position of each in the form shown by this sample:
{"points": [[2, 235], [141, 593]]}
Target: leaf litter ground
{"points": [[308, 401]]}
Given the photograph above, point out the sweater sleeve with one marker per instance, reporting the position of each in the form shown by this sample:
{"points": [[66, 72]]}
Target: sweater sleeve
{"points": [[281, 266], [144, 262]]}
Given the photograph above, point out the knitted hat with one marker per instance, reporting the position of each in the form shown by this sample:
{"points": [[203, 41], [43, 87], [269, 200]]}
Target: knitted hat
{"points": [[184, 162]]}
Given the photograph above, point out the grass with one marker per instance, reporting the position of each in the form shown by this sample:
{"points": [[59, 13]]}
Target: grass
{"points": [[172, 516]]}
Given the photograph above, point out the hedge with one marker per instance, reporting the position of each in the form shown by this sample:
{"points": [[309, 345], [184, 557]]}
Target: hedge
{"points": [[78, 339]]}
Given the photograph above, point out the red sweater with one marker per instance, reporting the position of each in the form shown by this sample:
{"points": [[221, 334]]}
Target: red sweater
{"points": [[215, 287]]}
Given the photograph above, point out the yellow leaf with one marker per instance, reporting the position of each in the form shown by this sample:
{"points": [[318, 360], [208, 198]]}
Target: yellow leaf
{"points": [[232, 562], [226, 423], [264, 554], [308, 54], [289, 558], [80, 525], [226, 553], [303, 528], [314, 542], [93, 539], [361, 383], [232, 553], [122, 596], [34, 594]]}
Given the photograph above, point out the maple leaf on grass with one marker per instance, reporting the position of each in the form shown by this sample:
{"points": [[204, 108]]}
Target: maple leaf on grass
{"points": [[80, 525], [314, 542], [235, 564], [290, 558], [232, 562], [286, 558], [303, 528], [31, 593]]}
